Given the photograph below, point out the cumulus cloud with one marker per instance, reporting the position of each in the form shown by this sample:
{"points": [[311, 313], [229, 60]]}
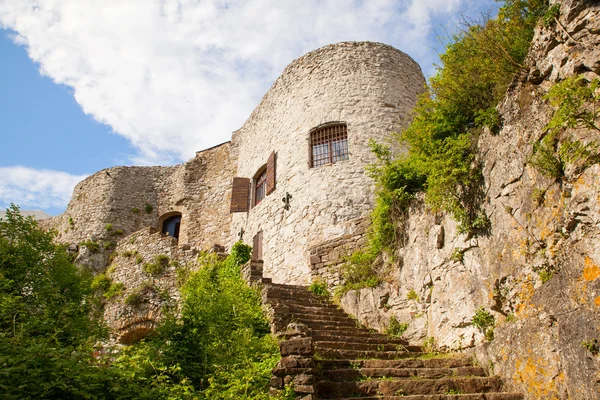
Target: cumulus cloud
{"points": [[176, 76], [32, 188]]}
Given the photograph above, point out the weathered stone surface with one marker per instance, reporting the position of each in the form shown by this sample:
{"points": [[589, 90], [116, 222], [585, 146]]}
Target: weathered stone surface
{"points": [[296, 346], [541, 326]]}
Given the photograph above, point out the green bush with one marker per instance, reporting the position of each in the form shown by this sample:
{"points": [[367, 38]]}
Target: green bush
{"points": [[115, 289], [148, 208], [108, 227], [158, 266], [412, 295], [485, 322], [395, 328], [92, 246], [134, 299], [319, 287], [101, 282]]}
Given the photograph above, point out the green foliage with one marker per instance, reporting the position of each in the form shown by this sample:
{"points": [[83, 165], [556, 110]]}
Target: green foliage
{"points": [[552, 15], [545, 272], [119, 232], [101, 282], [412, 295], [217, 348], [544, 157], [485, 322], [138, 259], [115, 289], [458, 255], [135, 210], [71, 222], [92, 246], [239, 255], [537, 195], [577, 103], [108, 227], [221, 340], [395, 328], [358, 272], [158, 266], [591, 346], [319, 287], [477, 67], [148, 208], [134, 298]]}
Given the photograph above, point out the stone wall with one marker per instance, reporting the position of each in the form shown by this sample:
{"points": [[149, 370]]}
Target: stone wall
{"points": [[538, 270], [126, 199], [372, 88], [153, 291]]}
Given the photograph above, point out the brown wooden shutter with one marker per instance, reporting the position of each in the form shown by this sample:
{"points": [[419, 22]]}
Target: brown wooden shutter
{"points": [[257, 253], [271, 173], [240, 195]]}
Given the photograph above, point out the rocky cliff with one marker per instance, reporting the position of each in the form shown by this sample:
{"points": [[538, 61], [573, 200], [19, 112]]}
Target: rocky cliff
{"points": [[537, 271]]}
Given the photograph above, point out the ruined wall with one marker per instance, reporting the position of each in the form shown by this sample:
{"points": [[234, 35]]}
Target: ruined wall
{"points": [[538, 271], [370, 87], [131, 198]]}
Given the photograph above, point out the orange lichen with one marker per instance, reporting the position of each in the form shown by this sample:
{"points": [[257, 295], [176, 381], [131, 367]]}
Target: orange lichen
{"points": [[536, 374], [597, 301], [591, 271]]}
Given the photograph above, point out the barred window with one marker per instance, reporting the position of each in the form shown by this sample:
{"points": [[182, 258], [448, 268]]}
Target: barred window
{"points": [[328, 145]]}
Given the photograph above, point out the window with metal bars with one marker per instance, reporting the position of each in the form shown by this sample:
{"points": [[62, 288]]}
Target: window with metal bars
{"points": [[328, 145]]}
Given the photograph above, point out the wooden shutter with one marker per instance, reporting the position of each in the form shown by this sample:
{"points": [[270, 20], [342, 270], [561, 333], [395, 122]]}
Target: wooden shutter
{"points": [[257, 253], [240, 194], [271, 173]]}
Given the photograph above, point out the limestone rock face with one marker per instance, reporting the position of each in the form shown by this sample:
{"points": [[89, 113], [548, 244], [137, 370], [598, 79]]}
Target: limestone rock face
{"points": [[545, 329]]}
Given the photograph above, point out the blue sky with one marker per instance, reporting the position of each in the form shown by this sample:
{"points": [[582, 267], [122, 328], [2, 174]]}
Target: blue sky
{"points": [[86, 85]]}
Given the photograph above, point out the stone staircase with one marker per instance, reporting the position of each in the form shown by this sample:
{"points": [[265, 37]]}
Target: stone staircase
{"points": [[326, 355]]}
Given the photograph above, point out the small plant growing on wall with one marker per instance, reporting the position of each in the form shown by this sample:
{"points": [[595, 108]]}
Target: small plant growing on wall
{"points": [[319, 287], [101, 282], [485, 322], [591, 346], [93, 247], [108, 227], [134, 299], [156, 267], [114, 290], [412, 295], [135, 210], [396, 328], [148, 208]]}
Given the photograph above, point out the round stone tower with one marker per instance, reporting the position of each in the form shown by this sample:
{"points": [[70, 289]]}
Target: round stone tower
{"points": [[301, 155]]}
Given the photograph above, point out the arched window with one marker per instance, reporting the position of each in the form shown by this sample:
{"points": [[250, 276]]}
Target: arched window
{"points": [[170, 224], [260, 185]]}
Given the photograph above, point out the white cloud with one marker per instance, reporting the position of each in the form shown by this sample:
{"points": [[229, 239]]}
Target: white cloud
{"points": [[32, 188], [176, 76]]}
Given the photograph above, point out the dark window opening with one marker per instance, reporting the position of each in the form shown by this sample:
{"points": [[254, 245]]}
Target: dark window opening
{"points": [[328, 145], [171, 226], [260, 186]]}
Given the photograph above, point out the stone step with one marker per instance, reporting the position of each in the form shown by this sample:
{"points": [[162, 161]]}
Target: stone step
{"points": [[470, 396], [296, 303], [318, 311], [365, 346], [323, 318], [396, 387], [318, 323], [344, 354], [318, 336], [344, 375], [437, 362]]}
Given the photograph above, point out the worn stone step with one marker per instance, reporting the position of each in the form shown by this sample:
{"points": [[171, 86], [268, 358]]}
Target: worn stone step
{"points": [[320, 304], [470, 396], [369, 339], [364, 346], [318, 311], [344, 375], [323, 318], [396, 387], [425, 362], [317, 323], [333, 354]]}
